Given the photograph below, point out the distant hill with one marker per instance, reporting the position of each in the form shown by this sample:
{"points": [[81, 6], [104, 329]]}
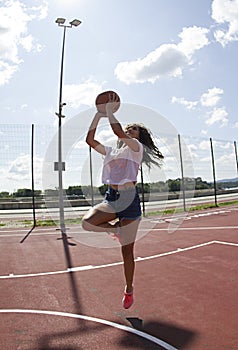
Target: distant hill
{"points": [[235, 179]]}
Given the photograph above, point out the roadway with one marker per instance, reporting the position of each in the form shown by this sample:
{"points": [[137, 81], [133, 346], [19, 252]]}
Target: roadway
{"points": [[75, 212]]}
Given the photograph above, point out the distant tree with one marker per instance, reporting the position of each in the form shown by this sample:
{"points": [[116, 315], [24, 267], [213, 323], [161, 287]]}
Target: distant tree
{"points": [[23, 192], [37, 193], [227, 184], [159, 186], [189, 183], [87, 190], [26, 192], [146, 187], [173, 185], [4, 194], [77, 190], [201, 185]]}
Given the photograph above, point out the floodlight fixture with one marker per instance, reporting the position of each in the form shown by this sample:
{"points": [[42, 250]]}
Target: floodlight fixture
{"points": [[60, 21], [75, 22]]}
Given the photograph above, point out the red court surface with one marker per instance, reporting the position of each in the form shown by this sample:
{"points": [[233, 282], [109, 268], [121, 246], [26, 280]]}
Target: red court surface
{"points": [[66, 294]]}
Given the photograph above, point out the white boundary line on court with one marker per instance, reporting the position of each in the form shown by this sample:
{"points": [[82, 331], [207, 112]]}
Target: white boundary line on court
{"points": [[198, 228], [169, 219], [141, 229], [94, 319], [94, 267]]}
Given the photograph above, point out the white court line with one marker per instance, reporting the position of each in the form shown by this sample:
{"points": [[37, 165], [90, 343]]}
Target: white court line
{"points": [[227, 243], [94, 267], [197, 228], [98, 320], [140, 230], [32, 234]]}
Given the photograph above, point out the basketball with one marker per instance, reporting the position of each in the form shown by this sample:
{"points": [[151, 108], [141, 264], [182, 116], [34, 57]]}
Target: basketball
{"points": [[103, 98]]}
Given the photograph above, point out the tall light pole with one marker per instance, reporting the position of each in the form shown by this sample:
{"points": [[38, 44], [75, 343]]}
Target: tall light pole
{"points": [[60, 166]]}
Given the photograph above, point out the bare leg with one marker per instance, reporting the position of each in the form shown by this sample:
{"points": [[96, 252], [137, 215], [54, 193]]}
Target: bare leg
{"points": [[128, 235], [129, 265], [98, 219]]}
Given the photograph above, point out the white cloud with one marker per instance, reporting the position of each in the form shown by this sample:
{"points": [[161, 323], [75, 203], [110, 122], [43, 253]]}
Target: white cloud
{"points": [[207, 99], [14, 19], [17, 173], [193, 39], [168, 60], [225, 12], [236, 125], [27, 42], [217, 115], [225, 159], [81, 145], [192, 150], [76, 95], [20, 169], [211, 97], [41, 10], [6, 71], [187, 104], [106, 136], [204, 145], [205, 159], [226, 146]]}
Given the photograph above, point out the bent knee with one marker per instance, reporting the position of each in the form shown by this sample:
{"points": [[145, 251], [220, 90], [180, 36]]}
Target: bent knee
{"points": [[86, 225]]}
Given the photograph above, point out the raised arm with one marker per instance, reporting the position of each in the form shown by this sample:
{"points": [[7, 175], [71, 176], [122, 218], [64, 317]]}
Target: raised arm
{"points": [[90, 139], [117, 128]]}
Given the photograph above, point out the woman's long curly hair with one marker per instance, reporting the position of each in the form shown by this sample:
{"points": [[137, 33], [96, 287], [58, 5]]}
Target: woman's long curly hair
{"points": [[151, 153]]}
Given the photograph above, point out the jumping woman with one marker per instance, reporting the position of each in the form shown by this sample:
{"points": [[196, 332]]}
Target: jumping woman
{"points": [[120, 212]]}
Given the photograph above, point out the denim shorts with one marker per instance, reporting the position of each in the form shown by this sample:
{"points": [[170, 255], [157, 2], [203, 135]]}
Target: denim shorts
{"points": [[125, 203]]}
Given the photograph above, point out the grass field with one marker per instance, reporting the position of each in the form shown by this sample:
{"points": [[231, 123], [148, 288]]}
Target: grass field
{"points": [[50, 222]]}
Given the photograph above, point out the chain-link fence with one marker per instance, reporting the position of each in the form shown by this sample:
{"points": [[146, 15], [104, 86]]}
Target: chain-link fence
{"points": [[193, 167]]}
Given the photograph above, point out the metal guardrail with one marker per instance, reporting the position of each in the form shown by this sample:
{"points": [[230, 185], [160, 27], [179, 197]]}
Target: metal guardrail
{"points": [[26, 203]]}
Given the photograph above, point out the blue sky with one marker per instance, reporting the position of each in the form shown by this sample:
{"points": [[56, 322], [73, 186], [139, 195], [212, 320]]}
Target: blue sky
{"points": [[177, 58]]}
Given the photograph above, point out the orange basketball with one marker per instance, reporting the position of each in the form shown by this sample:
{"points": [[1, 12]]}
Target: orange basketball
{"points": [[103, 98]]}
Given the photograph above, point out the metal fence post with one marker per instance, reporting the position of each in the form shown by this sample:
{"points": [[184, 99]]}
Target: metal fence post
{"points": [[142, 190], [214, 172], [91, 174], [32, 185], [32, 176], [182, 174], [236, 156]]}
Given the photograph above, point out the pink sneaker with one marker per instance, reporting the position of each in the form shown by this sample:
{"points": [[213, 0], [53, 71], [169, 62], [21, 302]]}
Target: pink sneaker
{"points": [[127, 300]]}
